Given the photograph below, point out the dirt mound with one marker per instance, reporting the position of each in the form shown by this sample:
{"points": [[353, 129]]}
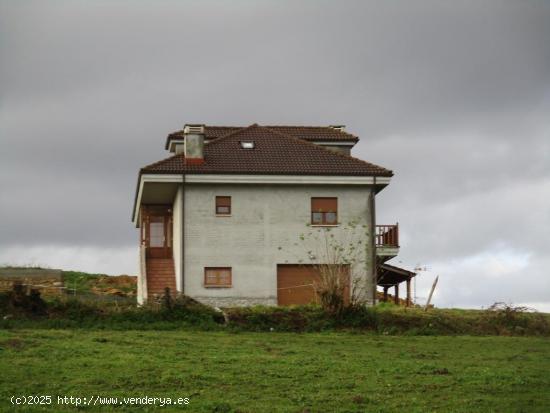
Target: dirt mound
{"points": [[127, 281], [119, 285]]}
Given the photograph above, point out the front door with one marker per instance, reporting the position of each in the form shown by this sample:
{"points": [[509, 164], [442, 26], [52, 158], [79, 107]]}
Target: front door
{"points": [[157, 230]]}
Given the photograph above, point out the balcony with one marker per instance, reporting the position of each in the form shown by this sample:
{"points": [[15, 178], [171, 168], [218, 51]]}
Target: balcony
{"points": [[386, 238]]}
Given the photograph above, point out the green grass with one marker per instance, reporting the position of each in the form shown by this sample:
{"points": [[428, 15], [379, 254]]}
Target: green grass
{"points": [[280, 372]]}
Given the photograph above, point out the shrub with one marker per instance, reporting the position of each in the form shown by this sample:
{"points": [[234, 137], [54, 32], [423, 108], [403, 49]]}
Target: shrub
{"points": [[293, 318], [506, 319], [184, 312], [388, 319], [21, 300], [70, 312]]}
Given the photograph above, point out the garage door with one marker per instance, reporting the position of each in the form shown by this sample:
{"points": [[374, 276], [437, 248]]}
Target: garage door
{"points": [[296, 284]]}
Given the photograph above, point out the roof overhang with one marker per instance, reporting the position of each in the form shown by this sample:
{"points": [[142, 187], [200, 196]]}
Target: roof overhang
{"points": [[154, 189], [161, 188], [390, 275]]}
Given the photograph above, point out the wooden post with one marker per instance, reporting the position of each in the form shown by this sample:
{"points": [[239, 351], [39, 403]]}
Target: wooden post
{"points": [[409, 292], [386, 294], [396, 295], [431, 293]]}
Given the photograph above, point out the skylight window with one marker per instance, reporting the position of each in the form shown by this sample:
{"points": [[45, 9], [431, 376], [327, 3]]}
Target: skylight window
{"points": [[247, 144]]}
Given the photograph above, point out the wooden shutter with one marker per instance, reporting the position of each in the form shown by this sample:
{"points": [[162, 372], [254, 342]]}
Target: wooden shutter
{"points": [[324, 204], [217, 277], [223, 205]]}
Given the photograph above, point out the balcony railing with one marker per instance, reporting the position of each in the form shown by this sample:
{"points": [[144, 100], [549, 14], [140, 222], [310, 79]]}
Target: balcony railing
{"points": [[387, 235]]}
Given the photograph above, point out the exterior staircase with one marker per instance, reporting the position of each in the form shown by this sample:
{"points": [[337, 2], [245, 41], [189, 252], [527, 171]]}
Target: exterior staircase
{"points": [[160, 274]]}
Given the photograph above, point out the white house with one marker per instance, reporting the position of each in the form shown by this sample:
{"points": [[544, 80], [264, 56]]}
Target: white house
{"points": [[219, 218]]}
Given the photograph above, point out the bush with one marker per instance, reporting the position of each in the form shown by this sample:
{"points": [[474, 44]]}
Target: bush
{"points": [[390, 319], [506, 319], [293, 318], [4, 301], [183, 312], [21, 300], [71, 312]]}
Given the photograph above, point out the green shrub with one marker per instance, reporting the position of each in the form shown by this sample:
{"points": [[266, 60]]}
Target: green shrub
{"points": [[4, 302], [360, 317], [506, 319], [389, 319], [184, 312], [71, 313], [292, 318]]}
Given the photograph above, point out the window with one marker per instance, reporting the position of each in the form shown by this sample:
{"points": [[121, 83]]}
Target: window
{"points": [[217, 277], [247, 144], [156, 232], [324, 211], [223, 205]]}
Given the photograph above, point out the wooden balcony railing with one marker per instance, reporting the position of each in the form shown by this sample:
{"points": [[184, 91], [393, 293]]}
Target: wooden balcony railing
{"points": [[387, 235]]}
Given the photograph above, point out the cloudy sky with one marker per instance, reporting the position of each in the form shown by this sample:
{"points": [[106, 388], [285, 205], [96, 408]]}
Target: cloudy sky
{"points": [[453, 96]]}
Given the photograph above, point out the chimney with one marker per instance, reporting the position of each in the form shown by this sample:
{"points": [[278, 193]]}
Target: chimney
{"points": [[193, 146]]}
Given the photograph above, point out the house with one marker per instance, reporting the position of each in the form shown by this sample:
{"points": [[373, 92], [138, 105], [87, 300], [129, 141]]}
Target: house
{"points": [[219, 218]]}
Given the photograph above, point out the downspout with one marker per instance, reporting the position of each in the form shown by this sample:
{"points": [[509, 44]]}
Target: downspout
{"points": [[182, 261], [373, 243]]}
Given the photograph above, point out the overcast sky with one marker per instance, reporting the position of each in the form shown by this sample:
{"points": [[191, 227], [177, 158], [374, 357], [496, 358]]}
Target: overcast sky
{"points": [[453, 96]]}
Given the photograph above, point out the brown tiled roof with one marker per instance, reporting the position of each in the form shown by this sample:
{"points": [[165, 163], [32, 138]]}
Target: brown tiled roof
{"points": [[308, 133], [275, 153]]}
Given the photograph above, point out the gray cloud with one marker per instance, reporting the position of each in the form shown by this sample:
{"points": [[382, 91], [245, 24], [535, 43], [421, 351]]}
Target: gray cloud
{"points": [[453, 97]]}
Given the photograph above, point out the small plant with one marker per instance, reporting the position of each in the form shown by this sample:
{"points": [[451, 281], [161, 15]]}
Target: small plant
{"points": [[167, 301]]}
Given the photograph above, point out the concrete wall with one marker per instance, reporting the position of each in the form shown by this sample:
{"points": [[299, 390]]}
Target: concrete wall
{"points": [[47, 281], [176, 231], [263, 219]]}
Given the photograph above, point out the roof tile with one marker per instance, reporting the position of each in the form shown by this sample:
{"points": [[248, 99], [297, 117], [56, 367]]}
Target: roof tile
{"points": [[308, 133], [275, 153]]}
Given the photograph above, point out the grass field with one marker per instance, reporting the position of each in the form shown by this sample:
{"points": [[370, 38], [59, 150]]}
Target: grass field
{"points": [[278, 372]]}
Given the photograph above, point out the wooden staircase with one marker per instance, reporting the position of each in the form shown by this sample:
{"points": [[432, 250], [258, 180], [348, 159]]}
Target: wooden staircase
{"points": [[160, 274]]}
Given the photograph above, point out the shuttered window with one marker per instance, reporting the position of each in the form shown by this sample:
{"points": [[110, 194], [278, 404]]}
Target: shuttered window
{"points": [[223, 205], [217, 277], [324, 211]]}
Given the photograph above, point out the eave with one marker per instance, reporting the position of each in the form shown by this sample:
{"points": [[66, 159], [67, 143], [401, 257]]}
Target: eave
{"points": [[379, 182]]}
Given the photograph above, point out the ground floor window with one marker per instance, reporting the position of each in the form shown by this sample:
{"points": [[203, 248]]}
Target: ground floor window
{"points": [[217, 277]]}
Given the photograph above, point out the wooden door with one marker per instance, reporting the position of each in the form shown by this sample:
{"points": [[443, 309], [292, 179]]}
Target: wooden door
{"points": [[157, 230]]}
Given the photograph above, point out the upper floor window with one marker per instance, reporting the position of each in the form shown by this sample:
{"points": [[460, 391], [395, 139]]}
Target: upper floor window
{"points": [[217, 277], [324, 211], [223, 205]]}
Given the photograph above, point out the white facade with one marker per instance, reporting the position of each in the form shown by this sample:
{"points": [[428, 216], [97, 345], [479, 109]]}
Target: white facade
{"points": [[265, 223]]}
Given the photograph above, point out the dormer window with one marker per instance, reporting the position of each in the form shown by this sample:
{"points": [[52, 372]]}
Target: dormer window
{"points": [[247, 144]]}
